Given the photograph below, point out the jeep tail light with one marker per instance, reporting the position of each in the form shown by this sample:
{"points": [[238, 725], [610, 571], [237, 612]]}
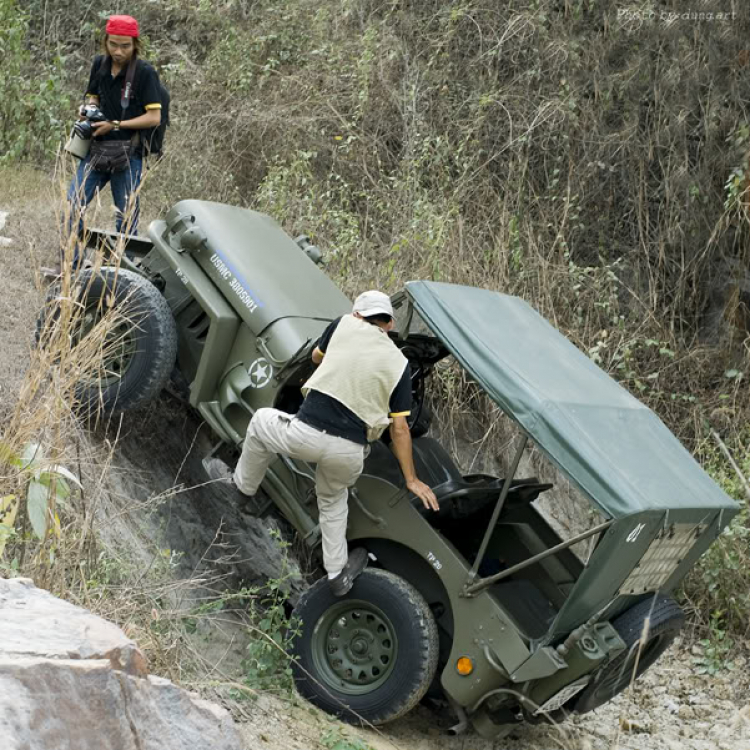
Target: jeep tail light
{"points": [[464, 666]]}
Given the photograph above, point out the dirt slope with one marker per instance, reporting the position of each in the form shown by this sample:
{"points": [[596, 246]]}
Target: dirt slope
{"points": [[671, 707]]}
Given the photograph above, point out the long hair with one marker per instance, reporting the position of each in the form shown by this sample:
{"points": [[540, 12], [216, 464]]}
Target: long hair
{"points": [[136, 46]]}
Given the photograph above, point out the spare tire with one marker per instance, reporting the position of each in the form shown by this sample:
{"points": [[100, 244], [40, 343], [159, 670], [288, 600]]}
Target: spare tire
{"points": [[140, 340], [665, 620]]}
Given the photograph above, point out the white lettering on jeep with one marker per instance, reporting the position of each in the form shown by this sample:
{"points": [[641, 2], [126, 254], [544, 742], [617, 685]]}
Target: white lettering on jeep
{"points": [[434, 561], [244, 296], [635, 533], [221, 267]]}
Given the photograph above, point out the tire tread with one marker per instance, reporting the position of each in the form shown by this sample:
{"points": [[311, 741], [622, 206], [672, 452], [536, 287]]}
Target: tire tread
{"points": [[427, 636], [163, 354]]}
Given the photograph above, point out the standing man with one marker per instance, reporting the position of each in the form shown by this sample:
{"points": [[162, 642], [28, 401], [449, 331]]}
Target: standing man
{"points": [[362, 386], [126, 90]]}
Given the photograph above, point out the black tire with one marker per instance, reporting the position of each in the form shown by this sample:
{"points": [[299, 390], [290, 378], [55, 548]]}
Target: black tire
{"points": [[143, 350], [666, 620], [370, 655]]}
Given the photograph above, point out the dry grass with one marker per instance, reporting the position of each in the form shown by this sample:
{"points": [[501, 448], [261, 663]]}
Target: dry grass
{"points": [[144, 595]]}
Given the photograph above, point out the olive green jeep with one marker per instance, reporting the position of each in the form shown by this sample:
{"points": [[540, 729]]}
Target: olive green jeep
{"points": [[482, 603]]}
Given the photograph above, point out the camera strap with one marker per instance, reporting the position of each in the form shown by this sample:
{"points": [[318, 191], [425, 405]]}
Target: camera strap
{"points": [[127, 91]]}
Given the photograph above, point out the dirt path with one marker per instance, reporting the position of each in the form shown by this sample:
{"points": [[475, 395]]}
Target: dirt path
{"points": [[25, 202], [671, 707]]}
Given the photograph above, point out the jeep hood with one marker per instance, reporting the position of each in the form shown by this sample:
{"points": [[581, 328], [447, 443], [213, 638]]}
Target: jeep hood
{"points": [[618, 452]]}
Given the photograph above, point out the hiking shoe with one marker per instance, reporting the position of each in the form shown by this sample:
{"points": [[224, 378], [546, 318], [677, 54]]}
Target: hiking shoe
{"points": [[218, 471], [343, 582]]}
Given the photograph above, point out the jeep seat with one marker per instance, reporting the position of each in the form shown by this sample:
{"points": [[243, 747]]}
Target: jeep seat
{"points": [[432, 463], [459, 497]]}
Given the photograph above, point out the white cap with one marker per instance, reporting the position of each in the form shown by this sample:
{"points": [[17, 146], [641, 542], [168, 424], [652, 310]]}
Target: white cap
{"points": [[373, 303]]}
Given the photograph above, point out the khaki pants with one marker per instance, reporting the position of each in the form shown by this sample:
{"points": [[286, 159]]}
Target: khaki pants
{"points": [[339, 464]]}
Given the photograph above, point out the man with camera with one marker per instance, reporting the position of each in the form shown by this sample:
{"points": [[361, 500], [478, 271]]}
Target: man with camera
{"points": [[122, 104]]}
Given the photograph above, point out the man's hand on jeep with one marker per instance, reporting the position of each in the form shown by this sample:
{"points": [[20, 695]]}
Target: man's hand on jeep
{"points": [[424, 493]]}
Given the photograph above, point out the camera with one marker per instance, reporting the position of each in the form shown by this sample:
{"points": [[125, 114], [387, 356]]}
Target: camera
{"points": [[92, 113], [80, 136]]}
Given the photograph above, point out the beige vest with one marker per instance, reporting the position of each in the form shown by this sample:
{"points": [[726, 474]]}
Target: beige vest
{"points": [[360, 369]]}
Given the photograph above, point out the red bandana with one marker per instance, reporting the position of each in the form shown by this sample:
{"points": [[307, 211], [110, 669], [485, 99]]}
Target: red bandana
{"points": [[122, 26]]}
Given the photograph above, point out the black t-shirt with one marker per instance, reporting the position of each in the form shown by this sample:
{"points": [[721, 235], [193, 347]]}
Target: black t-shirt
{"points": [[145, 94], [329, 415]]}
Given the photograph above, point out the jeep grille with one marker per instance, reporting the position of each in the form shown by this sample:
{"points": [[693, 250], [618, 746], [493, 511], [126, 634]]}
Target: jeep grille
{"points": [[662, 557]]}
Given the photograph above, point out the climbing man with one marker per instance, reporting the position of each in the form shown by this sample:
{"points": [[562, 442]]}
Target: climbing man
{"points": [[362, 386]]}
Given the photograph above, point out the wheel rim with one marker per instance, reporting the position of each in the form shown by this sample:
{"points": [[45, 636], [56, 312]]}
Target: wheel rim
{"points": [[119, 346], [354, 647]]}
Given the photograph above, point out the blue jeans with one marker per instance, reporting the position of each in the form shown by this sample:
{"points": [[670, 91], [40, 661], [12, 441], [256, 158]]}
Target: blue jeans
{"points": [[87, 181]]}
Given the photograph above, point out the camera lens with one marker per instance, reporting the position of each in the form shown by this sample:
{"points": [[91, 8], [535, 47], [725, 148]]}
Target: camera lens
{"points": [[83, 129]]}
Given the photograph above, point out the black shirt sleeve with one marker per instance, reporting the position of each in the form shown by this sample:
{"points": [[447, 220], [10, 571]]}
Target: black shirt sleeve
{"points": [[93, 85], [325, 338], [147, 86], [400, 403]]}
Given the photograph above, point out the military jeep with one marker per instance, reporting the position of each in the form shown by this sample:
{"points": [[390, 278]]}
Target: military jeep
{"points": [[482, 603]]}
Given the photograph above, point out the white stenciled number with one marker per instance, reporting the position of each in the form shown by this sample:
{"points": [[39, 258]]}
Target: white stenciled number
{"points": [[434, 561], [633, 535]]}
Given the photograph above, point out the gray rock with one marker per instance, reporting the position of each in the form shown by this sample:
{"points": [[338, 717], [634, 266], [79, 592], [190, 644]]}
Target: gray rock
{"points": [[86, 705], [35, 623], [686, 713], [72, 681]]}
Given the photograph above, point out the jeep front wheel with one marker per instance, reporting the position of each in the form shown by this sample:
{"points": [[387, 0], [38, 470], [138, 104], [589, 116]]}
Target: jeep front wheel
{"points": [[369, 656], [138, 342]]}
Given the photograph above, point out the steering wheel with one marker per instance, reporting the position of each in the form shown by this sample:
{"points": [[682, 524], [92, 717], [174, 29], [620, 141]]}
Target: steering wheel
{"points": [[417, 396], [418, 376]]}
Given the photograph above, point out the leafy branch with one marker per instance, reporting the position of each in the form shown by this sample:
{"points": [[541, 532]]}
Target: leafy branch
{"points": [[44, 486]]}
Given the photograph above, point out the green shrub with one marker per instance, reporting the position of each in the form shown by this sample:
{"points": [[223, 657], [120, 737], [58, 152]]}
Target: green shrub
{"points": [[34, 107], [718, 587], [267, 664]]}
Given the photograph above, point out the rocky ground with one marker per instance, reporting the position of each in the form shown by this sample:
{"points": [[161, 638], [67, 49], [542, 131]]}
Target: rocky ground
{"points": [[672, 706]]}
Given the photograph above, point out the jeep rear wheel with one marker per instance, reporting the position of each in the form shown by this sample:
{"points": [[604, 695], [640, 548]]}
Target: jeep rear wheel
{"points": [[665, 620], [370, 655], [138, 350]]}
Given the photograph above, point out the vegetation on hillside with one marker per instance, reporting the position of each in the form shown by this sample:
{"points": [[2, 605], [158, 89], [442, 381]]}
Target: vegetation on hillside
{"points": [[587, 156]]}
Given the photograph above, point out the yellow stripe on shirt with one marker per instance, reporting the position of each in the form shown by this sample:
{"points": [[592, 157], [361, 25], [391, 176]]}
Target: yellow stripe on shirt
{"points": [[399, 414], [153, 106]]}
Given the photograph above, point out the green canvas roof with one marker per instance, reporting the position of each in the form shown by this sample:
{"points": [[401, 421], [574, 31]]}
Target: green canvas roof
{"points": [[614, 448]]}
